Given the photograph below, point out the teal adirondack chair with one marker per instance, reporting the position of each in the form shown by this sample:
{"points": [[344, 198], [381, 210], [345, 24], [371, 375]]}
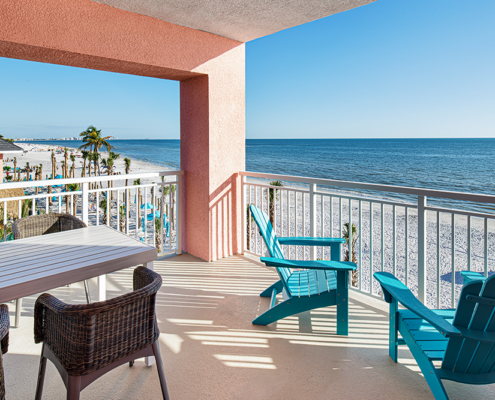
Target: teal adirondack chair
{"points": [[324, 284], [462, 339]]}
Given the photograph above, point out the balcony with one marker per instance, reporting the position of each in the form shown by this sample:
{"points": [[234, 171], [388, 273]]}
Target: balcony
{"points": [[211, 350], [209, 347]]}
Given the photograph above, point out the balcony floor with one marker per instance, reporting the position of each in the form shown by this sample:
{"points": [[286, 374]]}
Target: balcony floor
{"points": [[211, 350]]}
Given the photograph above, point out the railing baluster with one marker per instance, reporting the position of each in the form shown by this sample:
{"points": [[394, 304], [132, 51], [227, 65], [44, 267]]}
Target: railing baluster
{"points": [[371, 247], [4, 221], [136, 201], [145, 218], [422, 249], [109, 215], [438, 260], [97, 198], [360, 244], [394, 240], [486, 246], [382, 245], [312, 219], [469, 243], [453, 258], [406, 245]]}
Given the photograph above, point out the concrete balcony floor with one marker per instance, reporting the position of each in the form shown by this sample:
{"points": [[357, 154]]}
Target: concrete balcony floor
{"points": [[211, 350]]}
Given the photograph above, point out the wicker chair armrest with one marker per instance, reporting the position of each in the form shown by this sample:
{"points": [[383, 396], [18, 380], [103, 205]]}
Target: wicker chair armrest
{"points": [[4, 327]]}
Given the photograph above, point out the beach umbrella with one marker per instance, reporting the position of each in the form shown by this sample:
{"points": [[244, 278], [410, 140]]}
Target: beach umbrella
{"points": [[147, 205]]}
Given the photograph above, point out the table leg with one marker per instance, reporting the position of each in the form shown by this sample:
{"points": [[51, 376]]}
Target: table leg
{"points": [[18, 309], [148, 265], [149, 360], [102, 288]]}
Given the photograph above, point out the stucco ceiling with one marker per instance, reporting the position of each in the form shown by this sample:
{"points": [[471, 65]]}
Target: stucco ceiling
{"points": [[241, 20]]}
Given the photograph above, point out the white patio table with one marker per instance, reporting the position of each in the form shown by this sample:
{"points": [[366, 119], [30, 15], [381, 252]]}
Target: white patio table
{"points": [[40, 263]]}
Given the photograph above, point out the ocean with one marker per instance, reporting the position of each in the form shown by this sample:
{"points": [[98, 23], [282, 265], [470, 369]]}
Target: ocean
{"points": [[464, 165]]}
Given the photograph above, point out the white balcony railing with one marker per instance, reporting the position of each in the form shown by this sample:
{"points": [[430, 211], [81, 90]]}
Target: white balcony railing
{"points": [[150, 212], [425, 247]]}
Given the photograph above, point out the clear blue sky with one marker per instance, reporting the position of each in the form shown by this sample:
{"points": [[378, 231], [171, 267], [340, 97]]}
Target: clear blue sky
{"points": [[395, 68]]}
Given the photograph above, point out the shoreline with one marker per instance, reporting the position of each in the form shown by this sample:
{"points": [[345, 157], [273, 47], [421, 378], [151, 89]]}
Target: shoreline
{"points": [[36, 154]]}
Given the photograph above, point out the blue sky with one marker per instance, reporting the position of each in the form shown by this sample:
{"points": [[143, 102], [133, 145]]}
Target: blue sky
{"points": [[395, 68]]}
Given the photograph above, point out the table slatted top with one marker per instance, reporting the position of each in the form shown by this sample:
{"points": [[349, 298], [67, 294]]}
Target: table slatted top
{"points": [[37, 264]]}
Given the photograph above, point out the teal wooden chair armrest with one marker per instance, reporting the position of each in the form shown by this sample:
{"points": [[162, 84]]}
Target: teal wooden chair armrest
{"points": [[317, 265], [310, 241], [464, 347], [471, 276], [393, 289]]}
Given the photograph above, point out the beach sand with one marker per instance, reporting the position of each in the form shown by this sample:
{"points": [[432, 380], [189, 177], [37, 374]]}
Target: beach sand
{"points": [[37, 154]]}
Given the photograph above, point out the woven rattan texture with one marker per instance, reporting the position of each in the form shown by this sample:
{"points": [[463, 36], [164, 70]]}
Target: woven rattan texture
{"points": [[37, 225], [88, 337], [4, 337]]}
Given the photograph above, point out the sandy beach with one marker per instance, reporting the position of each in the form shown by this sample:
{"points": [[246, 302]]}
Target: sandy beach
{"points": [[37, 154]]}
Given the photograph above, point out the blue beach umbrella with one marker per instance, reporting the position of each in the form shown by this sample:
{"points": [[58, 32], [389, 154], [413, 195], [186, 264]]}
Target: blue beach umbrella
{"points": [[147, 205]]}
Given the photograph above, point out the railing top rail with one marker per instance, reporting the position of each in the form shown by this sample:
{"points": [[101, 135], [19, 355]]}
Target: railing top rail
{"points": [[474, 197], [101, 178]]}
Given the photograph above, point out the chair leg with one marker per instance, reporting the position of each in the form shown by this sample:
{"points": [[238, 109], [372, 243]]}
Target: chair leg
{"points": [[41, 376], [268, 291], [342, 303], [161, 375], [18, 309], [281, 310], [73, 387], [86, 289]]}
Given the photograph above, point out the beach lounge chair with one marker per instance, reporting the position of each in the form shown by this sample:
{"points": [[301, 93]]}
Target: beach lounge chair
{"points": [[462, 339], [325, 283]]}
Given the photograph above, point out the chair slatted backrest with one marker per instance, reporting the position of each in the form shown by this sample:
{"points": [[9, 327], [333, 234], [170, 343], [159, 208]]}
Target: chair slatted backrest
{"points": [[271, 241], [470, 356]]}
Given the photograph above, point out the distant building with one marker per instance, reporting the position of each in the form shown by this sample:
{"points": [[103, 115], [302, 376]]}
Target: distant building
{"points": [[7, 148]]}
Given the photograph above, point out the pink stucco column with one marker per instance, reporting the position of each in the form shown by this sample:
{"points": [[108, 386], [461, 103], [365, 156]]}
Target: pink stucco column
{"points": [[1, 168], [209, 67], [212, 154]]}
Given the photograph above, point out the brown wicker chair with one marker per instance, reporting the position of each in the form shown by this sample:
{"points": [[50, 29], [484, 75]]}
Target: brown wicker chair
{"points": [[86, 341], [4, 338], [37, 225]]}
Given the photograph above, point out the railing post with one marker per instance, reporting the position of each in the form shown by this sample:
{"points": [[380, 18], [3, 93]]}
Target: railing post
{"points": [[85, 202], [312, 218], [243, 215], [178, 212], [422, 249]]}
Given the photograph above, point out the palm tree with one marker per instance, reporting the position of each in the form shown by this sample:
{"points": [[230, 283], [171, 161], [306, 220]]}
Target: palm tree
{"points": [[127, 164], [85, 155], [54, 164], [103, 206], [170, 190], [15, 167], [73, 187], [28, 170], [66, 164], [92, 139], [273, 195], [158, 236], [73, 167], [354, 239]]}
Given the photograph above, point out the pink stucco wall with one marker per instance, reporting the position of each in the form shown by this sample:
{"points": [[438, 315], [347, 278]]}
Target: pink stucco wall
{"points": [[86, 34]]}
